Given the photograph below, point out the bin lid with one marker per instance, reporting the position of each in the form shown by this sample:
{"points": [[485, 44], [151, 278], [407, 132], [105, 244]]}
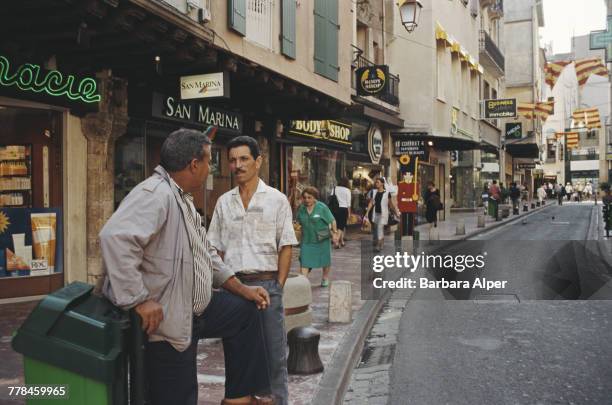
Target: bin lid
{"points": [[75, 330]]}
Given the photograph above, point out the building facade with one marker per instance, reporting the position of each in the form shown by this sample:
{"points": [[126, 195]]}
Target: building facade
{"points": [[525, 62], [73, 152]]}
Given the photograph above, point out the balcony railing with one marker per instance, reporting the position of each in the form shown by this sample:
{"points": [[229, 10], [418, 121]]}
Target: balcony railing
{"points": [[359, 61], [492, 52]]}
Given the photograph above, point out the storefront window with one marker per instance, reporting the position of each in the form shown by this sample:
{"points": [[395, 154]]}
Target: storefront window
{"points": [[312, 166], [30, 192]]}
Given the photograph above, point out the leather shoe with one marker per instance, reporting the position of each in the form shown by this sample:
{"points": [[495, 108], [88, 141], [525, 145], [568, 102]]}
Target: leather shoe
{"points": [[263, 400]]}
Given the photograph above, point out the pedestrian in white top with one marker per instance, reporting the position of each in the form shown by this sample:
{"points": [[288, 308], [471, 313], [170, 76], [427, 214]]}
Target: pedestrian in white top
{"points": [[252, 229], [343, 194], [541, 194], [588, 190]]}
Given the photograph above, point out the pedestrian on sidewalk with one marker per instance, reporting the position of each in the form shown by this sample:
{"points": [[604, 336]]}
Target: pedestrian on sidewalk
{"points": [[159, 263], [494, 197], [433, 204], [343, 194], [319, 230], [378, 212], [541, 194], [588, 190], [569, 190], [252, 229], [560, 191], [515, 196]]}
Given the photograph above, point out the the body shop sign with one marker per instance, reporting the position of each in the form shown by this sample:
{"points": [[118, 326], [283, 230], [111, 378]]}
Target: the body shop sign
{"points": [[326, 130], [197, 113], [205, 86], [372, 80]]}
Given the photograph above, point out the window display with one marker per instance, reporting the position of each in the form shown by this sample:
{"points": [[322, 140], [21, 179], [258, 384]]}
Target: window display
{"points": [[30, 242], [15, 176]]}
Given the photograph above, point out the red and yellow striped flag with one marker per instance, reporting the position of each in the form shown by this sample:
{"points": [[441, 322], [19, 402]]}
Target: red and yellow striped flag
{"points": [[587, 67], [587, 116], [572, 140], [544, 109], [553, 70], [526, 110]]}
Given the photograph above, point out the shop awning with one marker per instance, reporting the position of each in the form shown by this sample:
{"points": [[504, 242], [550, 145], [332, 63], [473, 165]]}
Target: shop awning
{"points": [[440, 142], [360, 110], [488, 146], [523, 148]]}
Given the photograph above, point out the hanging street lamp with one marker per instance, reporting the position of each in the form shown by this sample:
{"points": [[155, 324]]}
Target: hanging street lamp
{"points": [[410, 11]]}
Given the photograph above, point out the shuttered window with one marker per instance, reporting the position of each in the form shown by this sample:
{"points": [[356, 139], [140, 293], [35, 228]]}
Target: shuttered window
{"points": [[326, 38], [237, 15], [288, 29]]}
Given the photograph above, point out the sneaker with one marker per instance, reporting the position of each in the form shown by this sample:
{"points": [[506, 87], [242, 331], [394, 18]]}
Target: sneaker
{"points": [[324, 283]]}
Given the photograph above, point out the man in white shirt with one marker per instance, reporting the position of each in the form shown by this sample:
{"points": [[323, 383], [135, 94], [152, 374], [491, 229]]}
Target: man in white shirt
{"points": [[252, 229]]}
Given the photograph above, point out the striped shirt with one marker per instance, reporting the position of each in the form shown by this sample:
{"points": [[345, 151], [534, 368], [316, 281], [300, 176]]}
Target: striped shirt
{"points": [[202, 264]]}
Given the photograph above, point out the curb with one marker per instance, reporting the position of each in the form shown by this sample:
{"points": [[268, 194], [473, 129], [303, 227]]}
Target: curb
{"points": [[336, 377]]}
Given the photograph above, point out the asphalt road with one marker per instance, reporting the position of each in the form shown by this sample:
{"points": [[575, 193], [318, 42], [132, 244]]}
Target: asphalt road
{"points": [[525, 344]]}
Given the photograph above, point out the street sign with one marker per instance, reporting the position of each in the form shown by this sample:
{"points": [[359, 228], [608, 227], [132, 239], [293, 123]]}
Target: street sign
{"points": [[499, 108], [603, 40], [520, 166]]}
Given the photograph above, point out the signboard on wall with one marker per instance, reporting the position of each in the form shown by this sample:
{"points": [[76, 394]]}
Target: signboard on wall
{"points": [[329, 131], [207, 85], [197, 113], [514, 130], [375, 143], [499, 108], [411, 147], [372, 80], [521, 166]]}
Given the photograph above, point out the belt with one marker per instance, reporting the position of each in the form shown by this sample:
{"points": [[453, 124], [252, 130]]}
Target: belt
{"points": [[264, 275]]}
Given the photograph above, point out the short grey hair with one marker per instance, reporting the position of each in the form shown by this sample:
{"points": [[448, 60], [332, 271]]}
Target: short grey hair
{"points": [[181, 147]]}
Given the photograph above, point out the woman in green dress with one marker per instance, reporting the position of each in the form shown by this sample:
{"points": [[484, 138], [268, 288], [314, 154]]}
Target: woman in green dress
{"points": [[316, 220]]}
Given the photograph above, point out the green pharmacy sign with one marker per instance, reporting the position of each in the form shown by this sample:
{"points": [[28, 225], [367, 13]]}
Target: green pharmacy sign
{"points": [[30, 77]]}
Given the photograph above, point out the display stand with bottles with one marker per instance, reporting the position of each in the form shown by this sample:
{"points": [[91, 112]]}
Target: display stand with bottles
{"points": [[16, 176]]}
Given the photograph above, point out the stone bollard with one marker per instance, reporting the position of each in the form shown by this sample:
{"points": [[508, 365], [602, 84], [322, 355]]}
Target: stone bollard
{"points": [[533, 205], [297, 297], [304, 351], [434, 234], [505, 211], [537, 204], [340, 302], [460, 228], [543, 202], [525, 208], [515, 211], [481, 221]]}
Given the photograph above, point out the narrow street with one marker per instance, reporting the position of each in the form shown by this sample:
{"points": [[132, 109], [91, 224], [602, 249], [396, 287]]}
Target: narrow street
{"points": [[519, 347]]}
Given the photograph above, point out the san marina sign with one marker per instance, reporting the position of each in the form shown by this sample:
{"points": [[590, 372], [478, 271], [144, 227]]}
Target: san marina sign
{"points": [[197, 113], [33, 78]]}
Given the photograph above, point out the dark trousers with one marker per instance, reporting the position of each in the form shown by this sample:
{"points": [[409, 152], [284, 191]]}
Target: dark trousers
{"points": [[172, 375]]}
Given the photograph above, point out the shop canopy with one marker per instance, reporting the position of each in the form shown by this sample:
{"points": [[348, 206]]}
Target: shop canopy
{"points": [[523, 148], [440, 142]]}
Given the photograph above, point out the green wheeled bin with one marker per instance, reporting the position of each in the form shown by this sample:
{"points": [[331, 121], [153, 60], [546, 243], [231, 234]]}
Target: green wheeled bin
{"points": [[80, 341]]}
